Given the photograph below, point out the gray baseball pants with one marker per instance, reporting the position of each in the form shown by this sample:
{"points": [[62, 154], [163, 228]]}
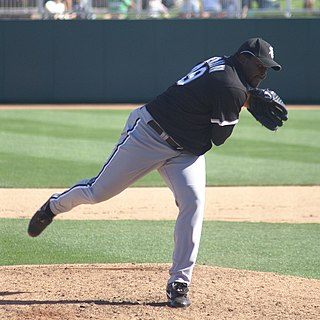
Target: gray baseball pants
{"points": [[140, 150]]}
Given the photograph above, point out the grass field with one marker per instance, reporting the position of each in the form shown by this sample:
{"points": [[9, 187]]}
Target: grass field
{"points": [[282, 248], [56, 148]]}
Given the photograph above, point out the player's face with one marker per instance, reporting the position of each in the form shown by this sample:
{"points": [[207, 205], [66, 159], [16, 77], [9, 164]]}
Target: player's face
{"points": [[254, 70]]}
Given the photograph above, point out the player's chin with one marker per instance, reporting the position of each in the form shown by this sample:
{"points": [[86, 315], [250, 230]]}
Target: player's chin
{"points": [[255, 82]]}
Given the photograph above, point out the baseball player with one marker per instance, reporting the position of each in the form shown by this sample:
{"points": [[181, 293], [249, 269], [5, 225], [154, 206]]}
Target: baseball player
{"points": [[171, 134]]}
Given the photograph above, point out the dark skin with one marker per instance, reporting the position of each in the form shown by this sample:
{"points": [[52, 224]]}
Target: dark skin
{"points": [[253, 69]]}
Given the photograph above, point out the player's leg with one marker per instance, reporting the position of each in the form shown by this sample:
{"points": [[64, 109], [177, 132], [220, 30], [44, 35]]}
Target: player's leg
{"points": [[185, 176], [126, 164], [138, 151]]}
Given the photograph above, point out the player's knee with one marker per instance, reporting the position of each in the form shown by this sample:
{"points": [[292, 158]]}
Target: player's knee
{"points": [[191, 204], [97, 197], [101, 195]]}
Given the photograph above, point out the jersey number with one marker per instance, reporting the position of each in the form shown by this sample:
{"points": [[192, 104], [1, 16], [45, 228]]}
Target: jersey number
{"points": [[213, 64], [195, 73]]}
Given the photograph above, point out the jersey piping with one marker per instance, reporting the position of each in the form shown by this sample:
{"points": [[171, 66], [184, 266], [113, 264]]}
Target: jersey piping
{"points": [[114, 153], [225, 122]]}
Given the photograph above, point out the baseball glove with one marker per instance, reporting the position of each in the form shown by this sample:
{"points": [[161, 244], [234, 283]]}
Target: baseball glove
{"points": [[267, 108]]}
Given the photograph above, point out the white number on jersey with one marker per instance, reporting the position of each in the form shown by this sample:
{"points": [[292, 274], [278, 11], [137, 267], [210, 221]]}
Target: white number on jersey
{"points": [[212, 64]]}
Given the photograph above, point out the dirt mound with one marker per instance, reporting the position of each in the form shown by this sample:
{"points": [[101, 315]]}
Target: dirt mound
{"points": [[136, 291]]}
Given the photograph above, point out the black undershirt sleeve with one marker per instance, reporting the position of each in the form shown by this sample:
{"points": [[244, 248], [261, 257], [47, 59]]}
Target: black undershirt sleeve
{"points": [[226, 114], [220, 134]]}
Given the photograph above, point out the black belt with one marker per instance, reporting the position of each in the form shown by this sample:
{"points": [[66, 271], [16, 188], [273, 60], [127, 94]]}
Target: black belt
{"points": [[165, 136]]}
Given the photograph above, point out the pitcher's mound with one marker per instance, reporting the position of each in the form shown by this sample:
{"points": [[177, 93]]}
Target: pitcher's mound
{"points": [[137, 291]]}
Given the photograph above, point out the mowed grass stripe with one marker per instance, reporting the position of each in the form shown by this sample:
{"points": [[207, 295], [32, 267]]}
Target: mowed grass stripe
{"points": [[86, 118], [45, 173], [259, 172], [76, 143], [272, 150], [84, 124], [57, 148], [282, 248]]}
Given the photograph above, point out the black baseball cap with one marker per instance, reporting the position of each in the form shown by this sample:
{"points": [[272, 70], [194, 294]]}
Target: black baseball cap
{"points": [[262, 50]]}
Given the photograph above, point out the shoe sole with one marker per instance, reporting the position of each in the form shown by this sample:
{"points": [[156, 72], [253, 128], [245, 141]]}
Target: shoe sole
{"points": [[173, 304]]}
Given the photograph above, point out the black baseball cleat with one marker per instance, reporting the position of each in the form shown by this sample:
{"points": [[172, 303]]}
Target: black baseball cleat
{"points": [[177, 293], [41, 219]]}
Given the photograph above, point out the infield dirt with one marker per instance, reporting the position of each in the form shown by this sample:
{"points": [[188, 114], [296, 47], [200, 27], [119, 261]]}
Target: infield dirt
{"points": [[136, 291]]}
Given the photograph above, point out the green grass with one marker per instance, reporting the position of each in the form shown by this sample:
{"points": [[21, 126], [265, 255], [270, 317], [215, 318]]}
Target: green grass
{"points": [[256, 156], [290, 249], [57, 148], [54, 148]]}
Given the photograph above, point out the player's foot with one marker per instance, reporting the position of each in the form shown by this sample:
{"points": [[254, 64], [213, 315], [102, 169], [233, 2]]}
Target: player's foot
{"points": [[41, 219], [177, 294]]}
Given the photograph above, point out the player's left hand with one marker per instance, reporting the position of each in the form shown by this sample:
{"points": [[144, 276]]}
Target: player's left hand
{"points": [[267, 108]]}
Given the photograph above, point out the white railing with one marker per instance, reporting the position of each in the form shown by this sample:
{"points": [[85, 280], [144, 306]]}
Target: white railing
{"points": [[21, 8], [156, 9]]}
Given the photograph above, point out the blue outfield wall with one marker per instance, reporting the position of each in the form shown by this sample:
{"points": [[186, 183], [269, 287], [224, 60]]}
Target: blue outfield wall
{"points": [[133, 61]]}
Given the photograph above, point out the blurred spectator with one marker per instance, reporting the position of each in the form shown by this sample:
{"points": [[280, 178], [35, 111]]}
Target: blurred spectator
{"points": [[119, 8], [230, 8], [268, 4], [156, 9], [262, 4], [68, 5], [309, 4], [55, 7], [211, 9], [246, 4], [190, 9], [65, 9], [169, 3], [81, 8]]}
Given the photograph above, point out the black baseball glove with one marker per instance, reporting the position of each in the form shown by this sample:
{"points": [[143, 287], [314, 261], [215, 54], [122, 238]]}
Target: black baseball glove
{"points": [[267, 108]]}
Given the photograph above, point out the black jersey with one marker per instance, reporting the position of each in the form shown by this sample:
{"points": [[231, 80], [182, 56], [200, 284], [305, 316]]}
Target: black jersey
{"points": [[202, 108]]}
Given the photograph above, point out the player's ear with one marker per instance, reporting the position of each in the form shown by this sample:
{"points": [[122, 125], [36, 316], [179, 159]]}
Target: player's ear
{"points": [[242, 58]]}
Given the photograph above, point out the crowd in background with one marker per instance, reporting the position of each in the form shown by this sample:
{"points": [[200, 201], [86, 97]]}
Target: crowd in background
{"points": [[153, 9], [120, 9]]}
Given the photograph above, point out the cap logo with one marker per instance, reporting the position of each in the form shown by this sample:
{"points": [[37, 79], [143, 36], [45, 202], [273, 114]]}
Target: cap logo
{"points": [[271, 52]]}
